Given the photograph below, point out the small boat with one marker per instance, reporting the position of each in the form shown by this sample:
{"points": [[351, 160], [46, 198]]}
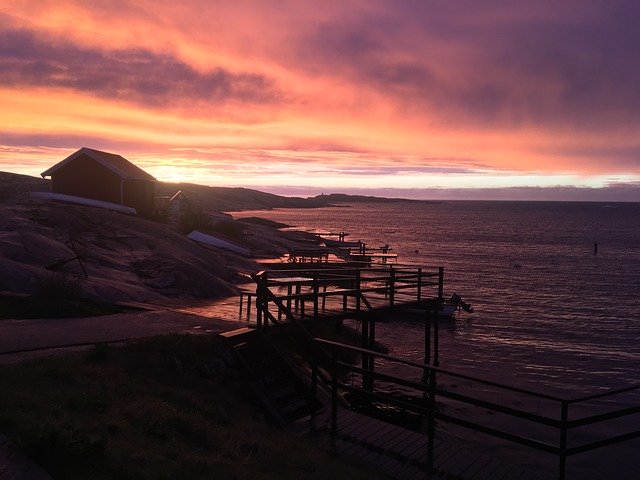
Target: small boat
{"points": [[453, 305], [448, 311]]}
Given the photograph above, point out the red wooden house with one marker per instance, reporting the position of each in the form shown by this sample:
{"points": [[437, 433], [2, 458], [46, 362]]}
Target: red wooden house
{"points": [[103, 176]]}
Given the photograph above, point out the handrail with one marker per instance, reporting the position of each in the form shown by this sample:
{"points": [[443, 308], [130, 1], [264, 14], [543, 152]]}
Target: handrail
{"points": [[608, 393], [430, 389], [457, 396], [425, 366]]}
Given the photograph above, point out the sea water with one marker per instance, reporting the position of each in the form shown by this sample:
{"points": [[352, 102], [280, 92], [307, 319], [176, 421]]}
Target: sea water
{"points": [[562, 317]]}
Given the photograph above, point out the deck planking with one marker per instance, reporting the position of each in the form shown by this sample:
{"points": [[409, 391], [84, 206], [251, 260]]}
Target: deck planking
{"points": [[402, 453]]}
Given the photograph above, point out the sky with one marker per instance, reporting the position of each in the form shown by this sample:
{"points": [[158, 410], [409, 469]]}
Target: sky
{"points": [[414, 98]]}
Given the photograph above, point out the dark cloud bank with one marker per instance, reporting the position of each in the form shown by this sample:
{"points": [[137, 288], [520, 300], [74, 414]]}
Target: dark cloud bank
{"points": [[134, 75]]}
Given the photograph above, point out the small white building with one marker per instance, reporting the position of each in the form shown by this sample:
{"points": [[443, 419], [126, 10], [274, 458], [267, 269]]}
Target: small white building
{"points": [[178, 204]]}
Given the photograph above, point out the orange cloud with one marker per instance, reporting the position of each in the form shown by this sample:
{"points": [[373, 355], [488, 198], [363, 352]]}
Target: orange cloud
{"points": [[358, 91]]}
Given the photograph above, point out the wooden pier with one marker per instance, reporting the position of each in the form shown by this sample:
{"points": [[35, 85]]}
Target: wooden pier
{"points": [[303, 296], [402, 453], [338, 292]]}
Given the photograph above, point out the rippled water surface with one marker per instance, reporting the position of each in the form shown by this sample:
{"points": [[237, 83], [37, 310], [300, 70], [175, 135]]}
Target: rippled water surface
{"points": [[546, 307]]}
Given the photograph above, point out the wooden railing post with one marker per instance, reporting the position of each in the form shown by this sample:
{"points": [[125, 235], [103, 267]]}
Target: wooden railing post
{"points": [[372, 359], [431, 426], [296, 302], [564, 418], [419, 295], [265, 302], [259, 295], [441, 284], [365, 356], [316, 292], [334, 392], [324, 297], [314, 375], [392, 287], [436, 340], [427, 336], [358, 292]]}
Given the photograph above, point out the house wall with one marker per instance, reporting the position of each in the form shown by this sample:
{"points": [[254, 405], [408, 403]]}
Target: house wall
{"points": [[87, 178], [139, 194]]}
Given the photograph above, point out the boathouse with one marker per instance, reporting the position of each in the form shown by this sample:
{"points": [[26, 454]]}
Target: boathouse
{"points": [[103, 176]]}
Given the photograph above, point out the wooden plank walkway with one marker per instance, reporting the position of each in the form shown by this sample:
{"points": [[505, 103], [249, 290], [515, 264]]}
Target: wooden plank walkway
{"points": [[402, 453]]}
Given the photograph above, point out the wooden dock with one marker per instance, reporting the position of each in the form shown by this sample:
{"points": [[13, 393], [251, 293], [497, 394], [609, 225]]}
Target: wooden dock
{"points": [[362, 294], [402, 453]]}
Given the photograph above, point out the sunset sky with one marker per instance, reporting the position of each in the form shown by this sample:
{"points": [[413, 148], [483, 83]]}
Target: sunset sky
{"points": [[424, 99]]}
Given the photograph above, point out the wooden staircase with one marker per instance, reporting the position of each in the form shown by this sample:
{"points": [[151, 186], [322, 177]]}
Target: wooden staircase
{"points": [[274, 377]]}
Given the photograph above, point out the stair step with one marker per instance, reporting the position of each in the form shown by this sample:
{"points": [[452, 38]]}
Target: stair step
{"points": [[274, 381], [295, 404], [285, 391]]}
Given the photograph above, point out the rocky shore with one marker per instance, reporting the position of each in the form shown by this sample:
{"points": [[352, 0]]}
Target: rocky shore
{"points": [[127, 258]]}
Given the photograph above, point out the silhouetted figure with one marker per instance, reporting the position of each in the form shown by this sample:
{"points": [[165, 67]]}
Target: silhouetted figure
{"points": [[595, 248]]}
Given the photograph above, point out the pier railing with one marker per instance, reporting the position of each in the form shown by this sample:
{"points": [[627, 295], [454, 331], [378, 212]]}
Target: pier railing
{"points": [[298, 294], [427, 390]]}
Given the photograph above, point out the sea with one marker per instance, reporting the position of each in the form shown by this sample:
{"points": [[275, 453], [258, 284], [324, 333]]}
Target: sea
{"points": [[552, 313], [562, 315]]}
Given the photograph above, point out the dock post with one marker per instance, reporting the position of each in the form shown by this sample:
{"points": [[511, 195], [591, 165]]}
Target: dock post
{"points": [[427, 336], [564, 418], [259, 302], [324, 297], [372, 360], [431, 426], [392, 287], [436, 340], [334, 392], [365, 356], [358, 292], [314, 374], [265, 302], [441, 283], [419, 286], [316, 293], [296, 302]]}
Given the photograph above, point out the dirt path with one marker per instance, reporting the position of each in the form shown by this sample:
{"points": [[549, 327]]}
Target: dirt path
{"points": [[24, 335]]}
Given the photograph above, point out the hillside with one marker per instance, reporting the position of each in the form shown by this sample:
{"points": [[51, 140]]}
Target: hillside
{"points": [[235, 199], [126, 258], [131, 258]]}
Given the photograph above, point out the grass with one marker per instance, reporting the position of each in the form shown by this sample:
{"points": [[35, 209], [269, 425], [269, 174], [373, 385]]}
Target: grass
{"points": [[164, 408]]}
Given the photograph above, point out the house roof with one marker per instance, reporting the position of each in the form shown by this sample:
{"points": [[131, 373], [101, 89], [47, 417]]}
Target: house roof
{"points": [[116, 163]]}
